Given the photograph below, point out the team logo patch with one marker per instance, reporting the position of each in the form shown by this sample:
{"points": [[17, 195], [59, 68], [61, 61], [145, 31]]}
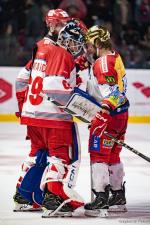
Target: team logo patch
{"points": [[107, 143], [110, 79], [95, 144]]}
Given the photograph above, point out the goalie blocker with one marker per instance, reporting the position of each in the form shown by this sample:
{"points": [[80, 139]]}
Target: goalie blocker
{"points": [[80, 105], [84, 106]]}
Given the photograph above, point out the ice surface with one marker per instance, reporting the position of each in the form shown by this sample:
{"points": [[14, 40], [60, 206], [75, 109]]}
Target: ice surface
{"points": [[14, 148]]}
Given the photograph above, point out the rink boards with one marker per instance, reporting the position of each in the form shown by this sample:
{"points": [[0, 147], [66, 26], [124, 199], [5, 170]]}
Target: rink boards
{"points": [[138, 92]]}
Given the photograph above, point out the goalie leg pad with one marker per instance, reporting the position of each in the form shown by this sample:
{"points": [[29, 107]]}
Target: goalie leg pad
{"points": [[55, 176], [30, 185], [27, 164]]}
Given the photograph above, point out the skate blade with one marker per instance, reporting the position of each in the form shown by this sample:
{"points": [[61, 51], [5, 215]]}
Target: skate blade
{"points": [[96, 213], [50, 213], [25, 208], [117, 208]]}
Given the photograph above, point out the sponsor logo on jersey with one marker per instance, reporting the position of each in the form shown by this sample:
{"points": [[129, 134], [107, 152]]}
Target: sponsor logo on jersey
{"points": [[95, 144], [110, 79], [107, 143]]}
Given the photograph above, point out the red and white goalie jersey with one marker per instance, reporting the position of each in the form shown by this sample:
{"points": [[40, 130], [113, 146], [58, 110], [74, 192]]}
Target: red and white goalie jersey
{"points": [[52, 75]]}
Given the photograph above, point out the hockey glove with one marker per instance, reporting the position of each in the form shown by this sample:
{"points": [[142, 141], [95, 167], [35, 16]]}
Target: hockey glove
{"points": [[99, 123], [81, 62], [20, 105], [20, 98]]}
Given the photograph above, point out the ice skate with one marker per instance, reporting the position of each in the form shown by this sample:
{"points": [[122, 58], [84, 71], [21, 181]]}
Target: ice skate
{"points": [[54, 206], [23, 205], [117, 200], [99, 207]]}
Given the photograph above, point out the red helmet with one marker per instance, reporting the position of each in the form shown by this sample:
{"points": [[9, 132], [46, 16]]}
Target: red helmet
{"points": [[56, 15]]}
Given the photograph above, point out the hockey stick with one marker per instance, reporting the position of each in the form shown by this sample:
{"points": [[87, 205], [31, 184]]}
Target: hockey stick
{"points": [[64, 108], [106, 133], [127, 147], [124, 145], [67, 110], [53, 213]]}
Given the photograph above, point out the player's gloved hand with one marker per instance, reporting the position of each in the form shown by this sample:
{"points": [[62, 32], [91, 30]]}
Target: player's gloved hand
{"points": [[99, 123], [20, 105], [81, 62], [18, 114]]}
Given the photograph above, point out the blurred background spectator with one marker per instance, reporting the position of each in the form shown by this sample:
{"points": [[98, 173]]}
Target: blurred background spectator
{"points": [[22, 24], [75, 8]]}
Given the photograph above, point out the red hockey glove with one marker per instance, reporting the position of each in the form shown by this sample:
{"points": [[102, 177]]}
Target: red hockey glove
{"points": [[20, 105], [81, 62], [18, 114], [20, 98], [99, 123]]}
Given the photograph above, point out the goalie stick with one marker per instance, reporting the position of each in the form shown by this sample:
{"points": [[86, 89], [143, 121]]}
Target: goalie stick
{"points": [[81, 117], [80, 105], [69, 109]]}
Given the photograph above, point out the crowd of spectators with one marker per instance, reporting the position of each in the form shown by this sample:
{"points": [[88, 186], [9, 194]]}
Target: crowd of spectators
{"points": [[22, 24]]}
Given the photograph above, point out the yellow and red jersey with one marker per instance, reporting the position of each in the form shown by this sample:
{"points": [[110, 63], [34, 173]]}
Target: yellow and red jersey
{"points": [[110, 74]]}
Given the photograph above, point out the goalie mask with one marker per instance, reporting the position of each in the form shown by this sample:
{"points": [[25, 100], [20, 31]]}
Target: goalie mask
{"points": [[56, 19], [97, 35], [71, 38]]}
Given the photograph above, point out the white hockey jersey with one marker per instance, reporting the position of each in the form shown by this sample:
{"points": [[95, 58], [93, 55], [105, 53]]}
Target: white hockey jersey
{"points": [[52, 74]]}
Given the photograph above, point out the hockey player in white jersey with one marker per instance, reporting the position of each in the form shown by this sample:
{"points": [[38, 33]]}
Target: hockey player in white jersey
{"points": [[55, 20], [51, 73]]}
